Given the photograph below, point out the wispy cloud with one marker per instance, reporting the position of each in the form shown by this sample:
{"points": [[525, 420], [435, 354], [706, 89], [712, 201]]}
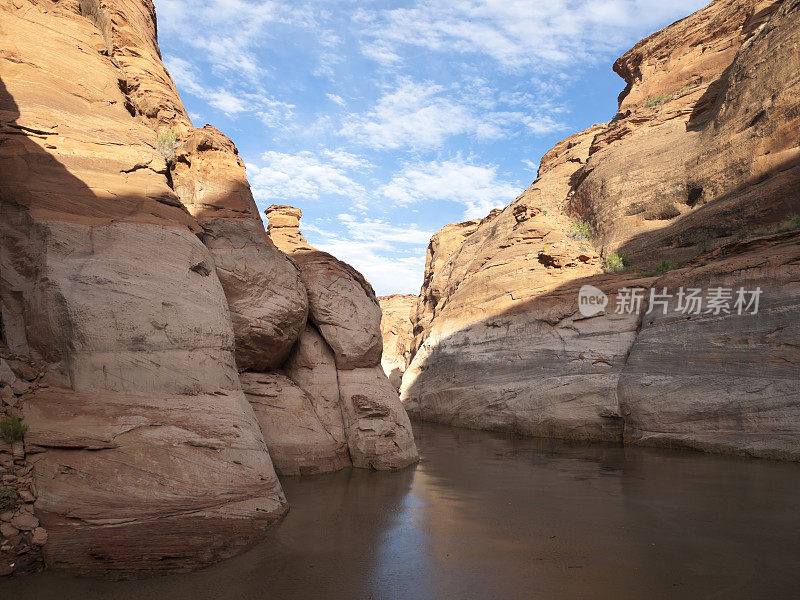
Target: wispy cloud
{"points": [[390, 255], [366, 113], [478, 187], [232, 30], [307, 176], [424, 115], [514, 33], [273, 113]]}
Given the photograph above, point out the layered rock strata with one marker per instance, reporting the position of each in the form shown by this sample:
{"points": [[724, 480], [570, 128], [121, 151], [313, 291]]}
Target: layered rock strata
{"points": [[397, 332], [698, 170], [136, 272], [345, 316]]}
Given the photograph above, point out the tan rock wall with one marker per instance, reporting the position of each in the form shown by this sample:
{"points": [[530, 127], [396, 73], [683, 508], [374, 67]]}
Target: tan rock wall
{"points": [[397, 332], [698, 168], [146, 454], [143, 444], [346, 318]]}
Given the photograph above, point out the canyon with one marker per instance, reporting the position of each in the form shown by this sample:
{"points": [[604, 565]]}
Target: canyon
{"points": [[165, 354], [694, 184], [170, 356], [397, 331]]}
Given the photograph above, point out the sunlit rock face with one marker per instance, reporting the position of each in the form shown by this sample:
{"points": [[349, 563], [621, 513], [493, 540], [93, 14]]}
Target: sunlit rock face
{"points": [[397, 332], [146, 455], [346, 317], [136, 275], [700, 168]]}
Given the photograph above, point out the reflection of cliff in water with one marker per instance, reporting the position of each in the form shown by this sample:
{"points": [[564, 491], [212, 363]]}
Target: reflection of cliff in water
{"points": [[489, 515]]}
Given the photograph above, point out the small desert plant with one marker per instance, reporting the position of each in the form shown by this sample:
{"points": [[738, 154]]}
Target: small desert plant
{"points": [[791, 224], [13, 429], [788, 225], [166, 142], [702, 239], [657, 100], [663, 267], [579, 230], [615, 263], [8, 498]]}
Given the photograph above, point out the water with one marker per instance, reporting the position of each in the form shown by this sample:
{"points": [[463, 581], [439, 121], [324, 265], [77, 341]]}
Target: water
{"points": [[494, 516]]}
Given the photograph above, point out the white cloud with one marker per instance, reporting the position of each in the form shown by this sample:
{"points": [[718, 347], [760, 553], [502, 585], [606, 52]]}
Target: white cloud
{"points": [[336, 98], [226, 102], [478, 187], [184, 75], [307, 176], [517, 33], [226, 31], [380, 51], [391, 256], [425, 115], [273, 113], [412, 115]]}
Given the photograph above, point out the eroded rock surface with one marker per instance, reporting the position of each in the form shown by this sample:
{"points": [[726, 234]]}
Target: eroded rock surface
{"points": [[313, 367], [342, 304], [699, 168], [21, 534], [378, 430], [146, 455], [345, 318], [397, 331], [723, 382], [299, 443], [266, 296]]}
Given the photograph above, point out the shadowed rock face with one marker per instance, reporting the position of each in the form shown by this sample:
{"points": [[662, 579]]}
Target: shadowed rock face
{"points": [[146, 455], [299, 442], [344, 339], [141, 280], [267, 301], [725, 383], [312, 367], [397, 331], [700, 167], [266, 296]]}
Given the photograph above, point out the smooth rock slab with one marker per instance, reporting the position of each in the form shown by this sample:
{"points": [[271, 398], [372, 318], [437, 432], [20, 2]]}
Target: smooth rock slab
{"points": [[378, 430], [298, 442]]}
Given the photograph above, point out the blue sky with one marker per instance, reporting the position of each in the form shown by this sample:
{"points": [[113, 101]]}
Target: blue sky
{"points": [[384, 121]]}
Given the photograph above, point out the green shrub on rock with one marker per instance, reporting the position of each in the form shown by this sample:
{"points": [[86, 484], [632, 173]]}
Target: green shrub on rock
{"points": [[8, 498], [13, 429], [166, 143], [579, 230], [614, 263]]}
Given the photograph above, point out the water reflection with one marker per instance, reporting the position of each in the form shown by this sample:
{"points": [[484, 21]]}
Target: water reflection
{"points": [[495, 516]]}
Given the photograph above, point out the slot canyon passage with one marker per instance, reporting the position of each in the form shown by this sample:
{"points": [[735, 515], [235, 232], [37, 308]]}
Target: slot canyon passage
{"points": [[195, 405]]}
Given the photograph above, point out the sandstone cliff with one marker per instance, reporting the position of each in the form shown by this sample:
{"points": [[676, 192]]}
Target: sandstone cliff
{"points": [[699, 170], [397, 331], [135, 273], [344, 331]]}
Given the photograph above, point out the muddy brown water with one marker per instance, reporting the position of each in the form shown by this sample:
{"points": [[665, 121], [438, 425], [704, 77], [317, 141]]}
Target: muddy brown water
{"points": [[487, 515]]}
